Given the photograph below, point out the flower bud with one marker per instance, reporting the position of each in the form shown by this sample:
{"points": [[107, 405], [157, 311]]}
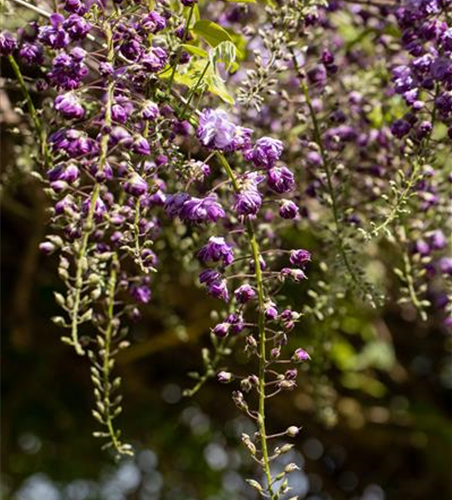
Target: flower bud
{"points": [[225, 377], [221, 330], [291, 468], [47, 247], [292, 431], [300, 355]]}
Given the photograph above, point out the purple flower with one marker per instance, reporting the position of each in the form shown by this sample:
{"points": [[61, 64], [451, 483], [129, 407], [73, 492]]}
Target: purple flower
{"points": [[327, 57], [74, 142], [445, 265], [424, 129], [216, 285], [209, 276], [265, 153], [32, 53], [150, 110], [215, 130], [215, 250], [437, 240], [69, 106], [314, 159], [68, 70], [422, 247], [280, 179], [131, 49], [66, 205], [317, 75], [335, 136], [219, 290], [174, 203], [225, 377], [291, 374], [300, 355], [400, 128], [236, 322], [106, 69], [271, 312], [75, 6], [120, 135], [221, 330], [296, 275], [135, 185], [54, 35], [299, 257], [47, 247], [8, 43], [153, 22], [248, 202], [140, 145], [288, 209], [199, 170], [189, 3], [76, 27], [242, 138], [155, 59], [99, 208], [197, 210], [141, 293], [67, 172], [182, 127], [244, 294]]}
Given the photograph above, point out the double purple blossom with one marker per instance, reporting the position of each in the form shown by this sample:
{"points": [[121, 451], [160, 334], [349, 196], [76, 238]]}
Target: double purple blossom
{"points": [[216, 131], [194, 210], [216, 250]]}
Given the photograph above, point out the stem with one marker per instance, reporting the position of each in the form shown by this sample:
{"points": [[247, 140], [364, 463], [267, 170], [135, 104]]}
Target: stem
{"points": [[194, 89], [408, 272], [329, 177], [210, 372], [254, 247], [119, 447], [31, 108], [82, 259], [106, 355], [136, 222], [262, 353], [402, 198], [32, 7], [82, 264], [179, 50]]}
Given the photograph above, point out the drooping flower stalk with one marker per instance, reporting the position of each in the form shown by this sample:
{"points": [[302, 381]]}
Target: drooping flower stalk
{"points": [[81, 261], [254, 248], [338, 233], [108, 409]]}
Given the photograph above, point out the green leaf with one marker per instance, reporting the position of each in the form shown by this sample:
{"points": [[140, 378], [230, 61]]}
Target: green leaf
{"points": [[217, 87], [197, 51], [212, 33], [226, 53], [241, 1]]}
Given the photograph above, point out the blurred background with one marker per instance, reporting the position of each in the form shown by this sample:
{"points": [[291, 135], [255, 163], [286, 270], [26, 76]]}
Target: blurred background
{"points": [[375, 403]]}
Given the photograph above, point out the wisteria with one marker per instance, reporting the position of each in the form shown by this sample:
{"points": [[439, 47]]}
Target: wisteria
{"points": [[174, 127]]}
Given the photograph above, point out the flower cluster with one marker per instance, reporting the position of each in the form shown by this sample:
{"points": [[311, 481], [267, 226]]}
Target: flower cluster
{"points": [[135, 168]]}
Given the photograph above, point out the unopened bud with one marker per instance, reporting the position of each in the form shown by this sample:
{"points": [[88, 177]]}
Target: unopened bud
{"points": [[292, 431], [225, 377], [291, 468], [286, 385]]}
